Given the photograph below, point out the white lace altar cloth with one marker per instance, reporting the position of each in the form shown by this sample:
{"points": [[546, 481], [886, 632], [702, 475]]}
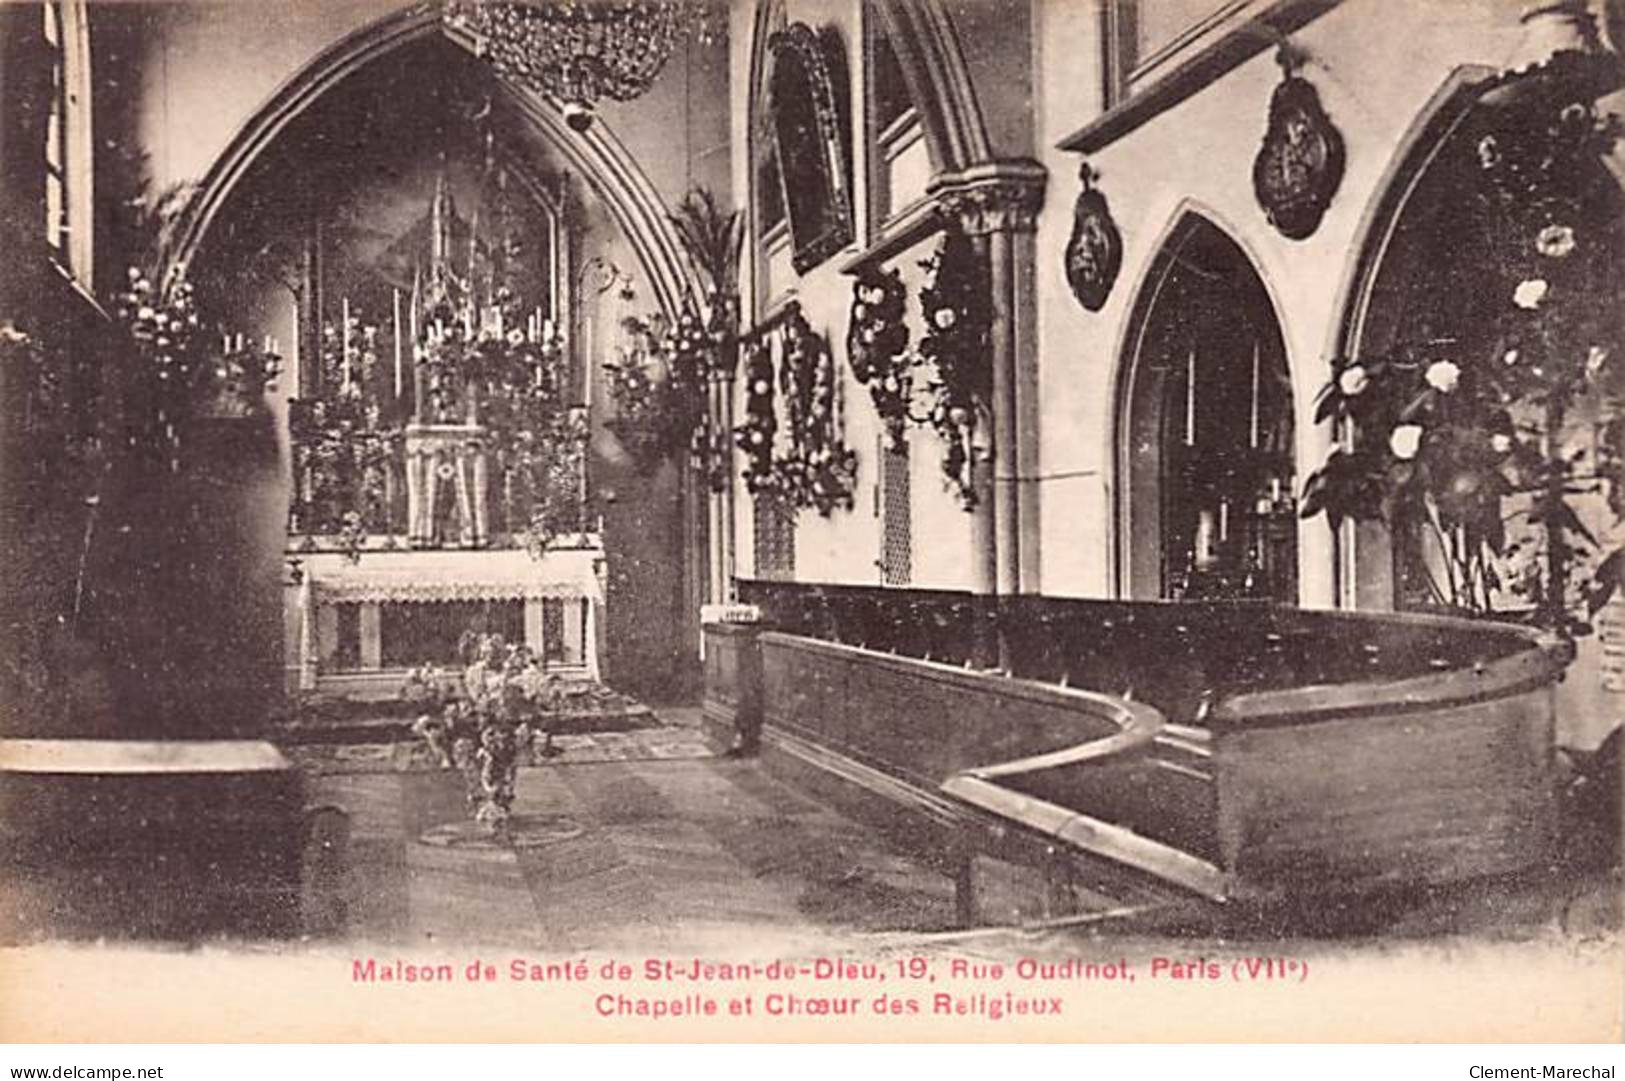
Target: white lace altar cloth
{"points": [[404, 577]]}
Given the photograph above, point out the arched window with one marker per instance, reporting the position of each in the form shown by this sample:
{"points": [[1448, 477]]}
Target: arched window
{"points": [[899, 160], [1205, 455], [65, 38]]}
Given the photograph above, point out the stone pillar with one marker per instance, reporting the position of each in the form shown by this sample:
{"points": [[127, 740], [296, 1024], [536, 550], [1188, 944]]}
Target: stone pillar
{"points": [[997, 204]]}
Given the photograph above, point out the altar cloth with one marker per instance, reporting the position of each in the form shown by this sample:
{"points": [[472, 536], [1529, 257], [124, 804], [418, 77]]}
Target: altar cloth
{"points": [[404, 577]]}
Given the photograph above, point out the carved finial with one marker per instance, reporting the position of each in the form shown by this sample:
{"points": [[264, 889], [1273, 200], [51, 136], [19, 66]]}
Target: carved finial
{"points": [[1290, 57]]}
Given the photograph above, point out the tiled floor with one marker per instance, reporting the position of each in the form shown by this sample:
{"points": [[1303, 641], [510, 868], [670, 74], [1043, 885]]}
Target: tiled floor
{"points": [[626, 849]]}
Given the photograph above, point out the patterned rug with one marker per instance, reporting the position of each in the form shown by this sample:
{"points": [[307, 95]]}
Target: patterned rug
{"points": [[414, 756]]}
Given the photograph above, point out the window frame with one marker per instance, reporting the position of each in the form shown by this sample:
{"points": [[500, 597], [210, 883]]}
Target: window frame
{"points": [[884, 141], [1128, 73], [66, 164]]}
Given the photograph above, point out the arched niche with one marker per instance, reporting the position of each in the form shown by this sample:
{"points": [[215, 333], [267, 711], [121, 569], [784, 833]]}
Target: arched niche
{"points": [[1205, 430], [345, 208], [597, 156], [1428, 284]]}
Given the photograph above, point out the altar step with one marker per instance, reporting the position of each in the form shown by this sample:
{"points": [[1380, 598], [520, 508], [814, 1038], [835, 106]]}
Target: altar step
{"points": [[588, 706]]}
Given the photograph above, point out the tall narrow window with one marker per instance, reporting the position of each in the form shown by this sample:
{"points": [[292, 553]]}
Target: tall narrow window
{"points": [[56, 147], [900, 165], [65, 47]]}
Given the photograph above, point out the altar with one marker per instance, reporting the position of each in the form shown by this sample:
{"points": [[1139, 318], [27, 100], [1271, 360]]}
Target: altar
{"points": [[355, 628], [439, 459]]}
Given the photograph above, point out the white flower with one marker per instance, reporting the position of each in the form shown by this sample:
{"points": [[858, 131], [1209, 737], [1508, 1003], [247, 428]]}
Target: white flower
{"points": [[1510, 358], [145, 313], [1442, 376], [946, 317], [1353, 381], [891, 384], [516, 338], [760, 387], [1500, 442], [860, 312], [1406, 441], [1595, 359], [1555, 241], [1530, 293]]}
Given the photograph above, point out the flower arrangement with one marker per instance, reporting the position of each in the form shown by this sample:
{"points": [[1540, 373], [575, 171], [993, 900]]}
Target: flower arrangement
{"points": [[465, 369], [819, 471], [548, 456], [955, 350], [659, 386], [177, 377], [342, 451], [489, 715], [1499, 450], [755, 436], [653, 385], [876, 347]]}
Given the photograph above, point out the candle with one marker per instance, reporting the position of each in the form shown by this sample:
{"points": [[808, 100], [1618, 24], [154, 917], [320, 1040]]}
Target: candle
{"points": [[396, 294], [1190, 398], [295, 387], [413, 315], [1224, 520], [1204, 540], [344, 315], [1254, 414]]}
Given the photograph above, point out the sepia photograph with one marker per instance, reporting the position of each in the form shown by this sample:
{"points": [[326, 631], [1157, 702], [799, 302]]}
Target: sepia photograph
{"points": [[812, 521]]}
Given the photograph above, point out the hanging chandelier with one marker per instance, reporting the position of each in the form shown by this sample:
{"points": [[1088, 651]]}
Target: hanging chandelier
{"points": [[579, 52]]}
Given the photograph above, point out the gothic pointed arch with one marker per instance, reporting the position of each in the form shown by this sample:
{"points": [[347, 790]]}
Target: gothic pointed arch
{"points": [[597, 155], [1204, 430], [1367, 574]]}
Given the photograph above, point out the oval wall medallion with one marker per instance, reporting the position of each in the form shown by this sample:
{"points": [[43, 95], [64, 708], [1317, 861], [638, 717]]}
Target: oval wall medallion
{"points": [[1094, 254], [1300, 165]]}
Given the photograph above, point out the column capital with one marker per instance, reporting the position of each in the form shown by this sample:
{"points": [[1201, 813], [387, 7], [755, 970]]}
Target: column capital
{"points": [[994, 196]]}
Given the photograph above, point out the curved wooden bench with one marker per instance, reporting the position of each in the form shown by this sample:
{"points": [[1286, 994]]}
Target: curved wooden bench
{"points": [[1235, 751]]}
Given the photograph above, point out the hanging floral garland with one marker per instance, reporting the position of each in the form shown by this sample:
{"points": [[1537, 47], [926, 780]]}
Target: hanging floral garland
{"points": [[755, 436], [876, 344], [956, 347], [820, 471]]}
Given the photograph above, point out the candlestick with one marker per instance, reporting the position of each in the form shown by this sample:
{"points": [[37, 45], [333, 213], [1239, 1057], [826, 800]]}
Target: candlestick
{"points": [[396, 295], [1253, 428], [1190, 398]]}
